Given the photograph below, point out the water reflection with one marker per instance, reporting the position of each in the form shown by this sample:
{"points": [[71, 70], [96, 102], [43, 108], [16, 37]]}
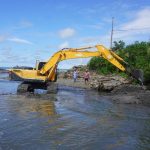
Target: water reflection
{"points": [[23, 105], [80, 119]]}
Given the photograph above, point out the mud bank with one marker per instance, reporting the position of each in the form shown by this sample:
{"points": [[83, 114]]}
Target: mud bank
{"points": [[130, 94]]}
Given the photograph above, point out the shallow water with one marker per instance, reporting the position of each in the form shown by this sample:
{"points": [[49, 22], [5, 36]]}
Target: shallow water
{"points": [[79, 119]]}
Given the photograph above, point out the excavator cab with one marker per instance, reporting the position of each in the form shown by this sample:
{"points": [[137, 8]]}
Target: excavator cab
{"points": [[40, 65]]}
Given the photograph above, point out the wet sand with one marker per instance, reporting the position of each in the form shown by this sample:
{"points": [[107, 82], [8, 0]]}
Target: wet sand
{"points": [[69, 82]]}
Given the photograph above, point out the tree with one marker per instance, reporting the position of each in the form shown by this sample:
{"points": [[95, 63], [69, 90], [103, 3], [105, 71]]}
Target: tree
{"points": [[118, 45], [136, 55], [101, 65]]}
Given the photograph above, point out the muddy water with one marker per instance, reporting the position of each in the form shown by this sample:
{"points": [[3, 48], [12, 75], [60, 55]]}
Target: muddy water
{"points": [[79, 119]]}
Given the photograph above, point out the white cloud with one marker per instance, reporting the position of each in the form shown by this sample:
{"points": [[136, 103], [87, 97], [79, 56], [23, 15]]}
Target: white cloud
{"points": [[8, 57], [66, 33], [64, 45], [3, 38], [136, 29], [18, 40], [142, 20], [67, 64], [95, 40], [23, 25], [95, 26], [140, 25]]}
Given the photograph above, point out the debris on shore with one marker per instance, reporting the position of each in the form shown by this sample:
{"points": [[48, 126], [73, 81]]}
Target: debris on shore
{"points": [[120, 90], [105, 83]]}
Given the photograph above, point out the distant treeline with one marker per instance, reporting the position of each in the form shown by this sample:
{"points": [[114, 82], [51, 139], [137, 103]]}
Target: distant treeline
{"points": [[4, 68], [136, 55]]}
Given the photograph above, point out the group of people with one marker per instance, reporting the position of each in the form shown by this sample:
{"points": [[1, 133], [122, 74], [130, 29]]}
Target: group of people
{"points": [[86, 76]]}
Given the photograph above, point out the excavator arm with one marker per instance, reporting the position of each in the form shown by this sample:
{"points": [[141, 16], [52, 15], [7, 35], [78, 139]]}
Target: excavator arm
{"points": [[48, 71], [66, 54], [70, 53]]}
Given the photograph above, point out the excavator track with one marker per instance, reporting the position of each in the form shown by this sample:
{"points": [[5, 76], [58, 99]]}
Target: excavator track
{"points": [[52, 87], [24, 88]]}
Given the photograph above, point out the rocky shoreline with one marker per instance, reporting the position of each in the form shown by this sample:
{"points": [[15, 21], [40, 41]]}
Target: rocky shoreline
{"points": [[114, 87], [98, 82]]}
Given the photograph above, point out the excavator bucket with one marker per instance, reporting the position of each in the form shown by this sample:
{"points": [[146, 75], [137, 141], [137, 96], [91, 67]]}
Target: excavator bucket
{"points": [[138, 74], [135, 73]]}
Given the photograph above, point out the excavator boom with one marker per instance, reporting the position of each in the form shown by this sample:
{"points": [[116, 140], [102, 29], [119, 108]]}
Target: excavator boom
{"points": [[65, 54]]}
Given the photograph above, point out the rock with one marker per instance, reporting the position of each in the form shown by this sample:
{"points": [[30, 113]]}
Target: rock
{"points": [[99, 82], [107, 83]]}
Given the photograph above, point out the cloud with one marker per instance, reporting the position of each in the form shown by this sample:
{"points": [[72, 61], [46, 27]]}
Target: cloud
{"points": [[66, 33], [136, 29], [26, 24], [67, 64], [64, 45], [9, 57], [6, 51], [95, 40], [18, 40], [95, 26], [23, 25], [140, 25], [142, 20], [3, 38]]}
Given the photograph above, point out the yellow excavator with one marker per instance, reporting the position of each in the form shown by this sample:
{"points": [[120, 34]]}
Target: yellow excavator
{"points": [[44, 75]]}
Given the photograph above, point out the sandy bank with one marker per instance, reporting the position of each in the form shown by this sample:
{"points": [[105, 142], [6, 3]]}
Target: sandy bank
{"points": [[69, 82]]}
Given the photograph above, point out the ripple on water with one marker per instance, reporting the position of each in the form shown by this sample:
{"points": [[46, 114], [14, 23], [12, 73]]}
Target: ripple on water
{"points": [[80, 119]]}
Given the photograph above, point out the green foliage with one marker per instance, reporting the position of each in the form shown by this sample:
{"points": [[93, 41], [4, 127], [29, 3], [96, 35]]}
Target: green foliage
{"points": [[101, 65], [136, 55], [118, 45]]}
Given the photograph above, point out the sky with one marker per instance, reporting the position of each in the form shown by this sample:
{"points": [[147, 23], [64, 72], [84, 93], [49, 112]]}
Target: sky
{"points": [[33, 30]]}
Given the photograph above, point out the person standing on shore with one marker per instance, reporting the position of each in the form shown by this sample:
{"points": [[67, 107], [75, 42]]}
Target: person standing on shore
{"points": [[86, 76], [75, 75]]}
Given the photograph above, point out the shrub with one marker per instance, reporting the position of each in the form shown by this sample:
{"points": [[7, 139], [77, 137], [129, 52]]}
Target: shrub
{"points": [[136, 55]]}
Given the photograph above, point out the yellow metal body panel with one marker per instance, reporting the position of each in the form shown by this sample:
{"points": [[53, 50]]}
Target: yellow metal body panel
{"points": [[48, 71], [82, 53], [108, 55], [28, 74]]}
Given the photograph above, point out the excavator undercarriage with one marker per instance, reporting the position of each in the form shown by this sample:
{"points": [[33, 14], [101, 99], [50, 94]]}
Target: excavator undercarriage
{"points": [[26, 87]]}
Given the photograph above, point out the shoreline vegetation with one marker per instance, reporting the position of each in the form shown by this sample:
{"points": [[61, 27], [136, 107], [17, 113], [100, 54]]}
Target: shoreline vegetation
{"points": [[137, 55]]}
